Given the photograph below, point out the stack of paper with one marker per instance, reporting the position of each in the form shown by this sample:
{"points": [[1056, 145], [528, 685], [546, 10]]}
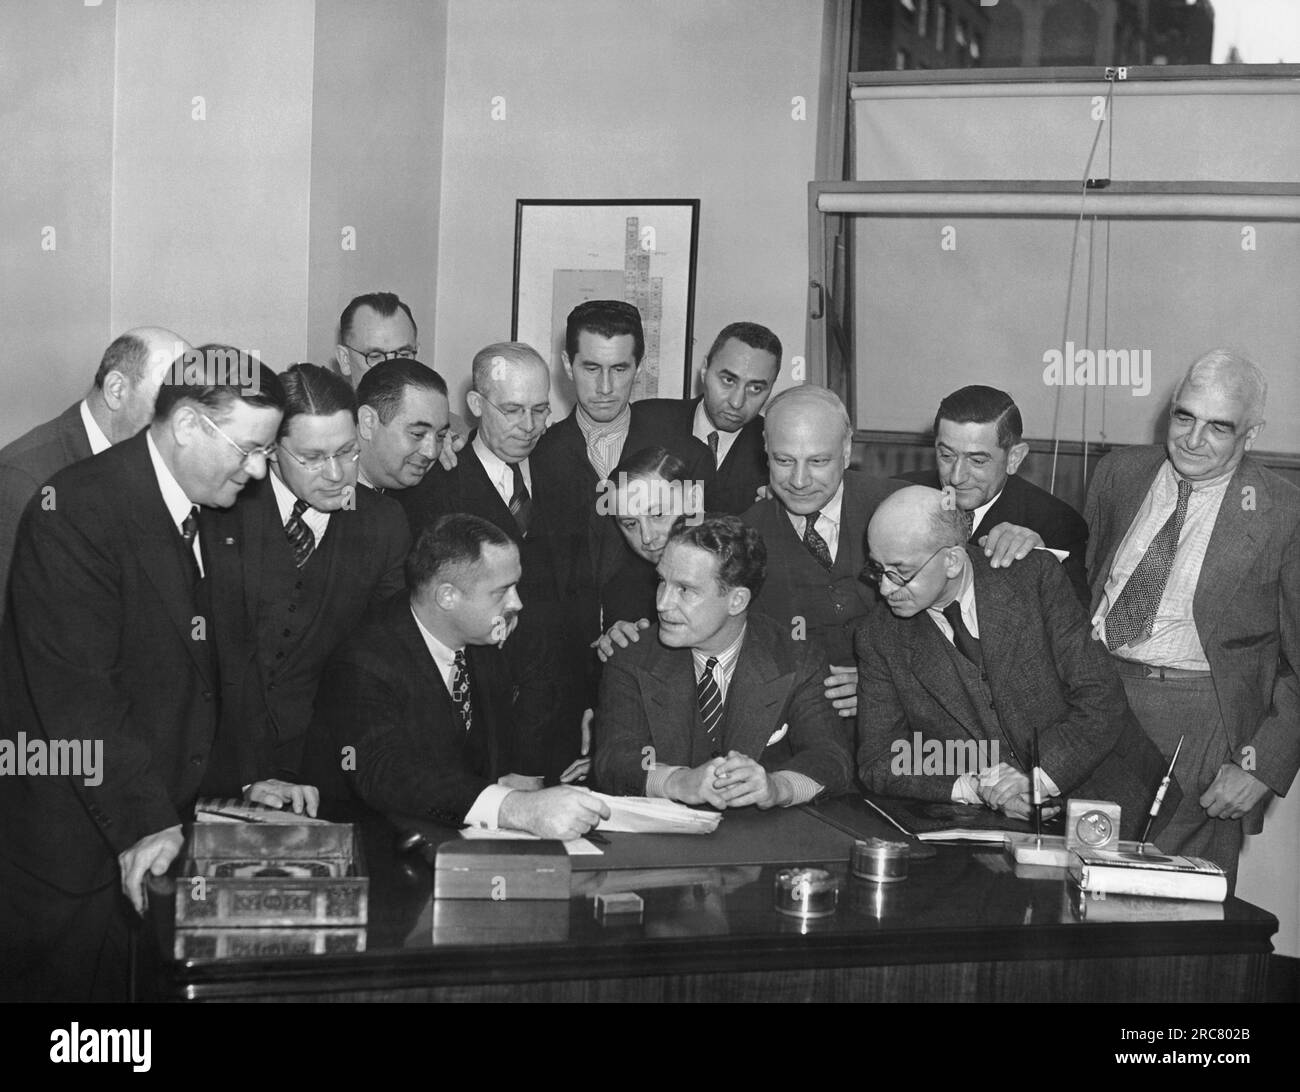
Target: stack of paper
{"points": [[650, 815]]}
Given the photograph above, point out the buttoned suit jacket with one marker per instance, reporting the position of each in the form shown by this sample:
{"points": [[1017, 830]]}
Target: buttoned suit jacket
{"points": [[1026, 505], [648, 700], [738, 478], [1246, 605], [1043, 670], [29, 462]]}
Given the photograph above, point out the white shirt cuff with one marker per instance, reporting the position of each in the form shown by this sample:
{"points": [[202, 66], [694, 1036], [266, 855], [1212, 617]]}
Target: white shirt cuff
{"points": [[964, 790], [486, 810]]}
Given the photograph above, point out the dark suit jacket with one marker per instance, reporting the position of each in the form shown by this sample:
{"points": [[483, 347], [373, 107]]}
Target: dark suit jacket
{"points": [[103, 641], [363, 551], [383, 696], [744, 469], [1247, 602], [29, 462], [648, 699], [1024, 504], [798, 587], [1043, 669]]}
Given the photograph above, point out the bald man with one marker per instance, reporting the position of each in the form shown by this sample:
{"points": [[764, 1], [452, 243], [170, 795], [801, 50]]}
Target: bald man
{"points": [[999, 656], [1194, 561], [119, 404]]}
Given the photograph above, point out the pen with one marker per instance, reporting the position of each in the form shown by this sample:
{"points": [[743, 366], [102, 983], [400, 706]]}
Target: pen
{"points": [[1160, 796]]}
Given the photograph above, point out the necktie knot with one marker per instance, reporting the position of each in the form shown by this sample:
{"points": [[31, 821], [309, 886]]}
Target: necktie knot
{"points": [[190, 525], [300, 506]]}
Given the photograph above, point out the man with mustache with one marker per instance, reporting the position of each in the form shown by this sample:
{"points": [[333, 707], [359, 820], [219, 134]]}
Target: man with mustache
{"points": [[1194, 560]]}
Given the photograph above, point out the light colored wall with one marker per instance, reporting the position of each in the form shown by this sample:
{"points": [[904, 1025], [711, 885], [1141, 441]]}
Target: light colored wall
{"points": [[624, 98]]}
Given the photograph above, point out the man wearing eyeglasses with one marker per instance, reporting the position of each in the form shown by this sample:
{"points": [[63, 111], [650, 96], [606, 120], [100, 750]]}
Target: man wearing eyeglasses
{"points": [[117, 644], [967, 652], [316, 551]]}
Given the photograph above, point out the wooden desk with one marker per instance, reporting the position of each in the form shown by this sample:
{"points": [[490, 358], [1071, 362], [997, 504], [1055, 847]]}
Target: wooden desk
{"points": [[963, 927]]}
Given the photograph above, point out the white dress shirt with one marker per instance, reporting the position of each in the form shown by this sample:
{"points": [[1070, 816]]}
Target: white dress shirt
{"points": [[977, 516], [828, 523], [285, 499], [499, 472], [98, 441], [703, 426], [178, 504]]}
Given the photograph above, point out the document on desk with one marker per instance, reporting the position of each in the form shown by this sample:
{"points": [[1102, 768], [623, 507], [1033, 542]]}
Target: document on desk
{"points": [[651, 815], [932, 821]]}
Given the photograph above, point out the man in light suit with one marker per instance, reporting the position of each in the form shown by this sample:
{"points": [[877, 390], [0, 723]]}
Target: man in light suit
{"points": [[315, 551], [717, 705], [979, 447], [119, 405], [1194, 560], [739, 372], [1001, 657], [118, 634], [424, 699]]}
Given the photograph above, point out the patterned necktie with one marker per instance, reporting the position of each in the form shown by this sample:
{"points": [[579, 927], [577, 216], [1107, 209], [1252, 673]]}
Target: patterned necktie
{"points": [[521, 504], [1130, 620], [189, 531], [299, 534], [713, 447], [460, 687], [710, 700], [965, 643], [815, 543]]}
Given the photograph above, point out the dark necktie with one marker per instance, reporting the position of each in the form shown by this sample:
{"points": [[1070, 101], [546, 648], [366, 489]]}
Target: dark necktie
{"points": [[815, 543], [710, 700], [966, 644], [299, 534], [521, 504], [713, 447], [1130, 620], [460, 687], [189, 531]]}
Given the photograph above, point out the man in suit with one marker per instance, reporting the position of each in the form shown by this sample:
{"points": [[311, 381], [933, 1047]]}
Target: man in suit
{"points": [[814, 525], [978, 445], [417, 708], [402, 423], [117, 635], [511, 398], [1194, 559], [119, 405], [1001, 657], [717, 705], [315, 549], [739, 372]]}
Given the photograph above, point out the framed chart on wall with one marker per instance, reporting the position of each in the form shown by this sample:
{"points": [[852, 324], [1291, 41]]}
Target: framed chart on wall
{"points": [[638, 251]]}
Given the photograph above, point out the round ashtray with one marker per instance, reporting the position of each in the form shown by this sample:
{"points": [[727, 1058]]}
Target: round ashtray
{"points": [[807, 892], [880, 860]]}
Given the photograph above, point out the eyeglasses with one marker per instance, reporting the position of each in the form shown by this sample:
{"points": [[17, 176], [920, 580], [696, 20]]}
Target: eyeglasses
{"points": [[873, 572], [378, 356], [244, 453], [349, 454], [516, 414]]}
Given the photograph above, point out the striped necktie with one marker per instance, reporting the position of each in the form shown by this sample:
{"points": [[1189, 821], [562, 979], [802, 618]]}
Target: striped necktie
{"points": [[1130, 620], [521, 504], [710, 701], [299, 534], [189, 531], [815, 543]]}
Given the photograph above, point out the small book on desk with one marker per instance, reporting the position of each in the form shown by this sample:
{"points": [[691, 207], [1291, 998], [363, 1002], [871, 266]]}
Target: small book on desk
{"points": [[1150, 874], [934, 821]]}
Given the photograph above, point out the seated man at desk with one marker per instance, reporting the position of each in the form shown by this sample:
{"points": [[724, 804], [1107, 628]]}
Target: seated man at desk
{"points": [[416, 709], [968, 652], [715, 705]]}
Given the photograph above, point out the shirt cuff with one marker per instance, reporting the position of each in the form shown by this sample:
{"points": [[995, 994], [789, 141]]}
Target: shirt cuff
{"points": [[656, 780], [964, 790], [486, 809], [1046, 783], [802, 788]]}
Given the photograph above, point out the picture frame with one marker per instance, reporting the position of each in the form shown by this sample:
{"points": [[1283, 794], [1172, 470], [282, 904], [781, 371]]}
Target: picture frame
{"points": [[642, 251]]}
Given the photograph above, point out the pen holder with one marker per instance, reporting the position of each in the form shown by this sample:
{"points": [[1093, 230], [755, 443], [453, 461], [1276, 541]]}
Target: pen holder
{"points": [[880, 861], [806, 892]]}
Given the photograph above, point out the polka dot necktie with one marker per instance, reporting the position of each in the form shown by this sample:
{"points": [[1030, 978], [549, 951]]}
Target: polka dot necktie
{"points": [[1130, 620], [815, 543]]}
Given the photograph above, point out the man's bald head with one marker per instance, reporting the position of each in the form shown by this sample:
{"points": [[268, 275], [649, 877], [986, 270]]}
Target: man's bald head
{"points": [[494, 362], [918, 536], [806, 403], [129, 375], [809, 442]]}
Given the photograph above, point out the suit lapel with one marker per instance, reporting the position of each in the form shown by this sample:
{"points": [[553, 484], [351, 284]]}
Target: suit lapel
{"points": [[1128, 499], [668, 698], [755, 697], [476, 486], [1236, 539], [76, 444], [931, 663]]}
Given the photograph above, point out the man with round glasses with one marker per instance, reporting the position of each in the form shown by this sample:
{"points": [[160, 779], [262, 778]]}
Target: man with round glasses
{"points": [[992, 665], [317, 550]]}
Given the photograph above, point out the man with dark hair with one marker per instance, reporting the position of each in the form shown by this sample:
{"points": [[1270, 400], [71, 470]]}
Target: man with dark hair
{"points": [[979, 447], [424, 701], [316, 551], [374, 327], [402, 423], [739, 372], [118, 638], [999, 658], [119, 404], [715, 705]]}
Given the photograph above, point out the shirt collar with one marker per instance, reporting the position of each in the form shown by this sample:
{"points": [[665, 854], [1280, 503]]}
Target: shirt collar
{"points": [[965, 596], [726, 658], [443, 656], [832, 511], [1221, 482], [178, 504], [983, 510], [98, 441], [597, 430], [285, 498], [497, 469]]}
